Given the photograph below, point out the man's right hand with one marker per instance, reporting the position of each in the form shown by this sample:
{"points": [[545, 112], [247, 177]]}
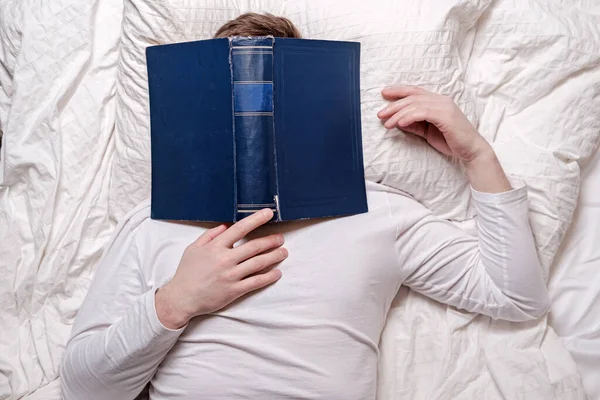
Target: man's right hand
{"points": [[212, 273]]}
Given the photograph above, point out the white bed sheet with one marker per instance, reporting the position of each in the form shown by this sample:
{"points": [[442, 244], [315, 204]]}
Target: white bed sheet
{"points": [[57, 104], [575, 284]]}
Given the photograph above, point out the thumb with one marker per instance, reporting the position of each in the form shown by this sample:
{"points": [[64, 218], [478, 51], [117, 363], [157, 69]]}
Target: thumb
{"points": [[419, 128]]}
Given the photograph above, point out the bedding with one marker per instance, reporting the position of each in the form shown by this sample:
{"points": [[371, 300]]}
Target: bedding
{"points": [[527, 72], [535, 71], [57, 106], [575, 284]]}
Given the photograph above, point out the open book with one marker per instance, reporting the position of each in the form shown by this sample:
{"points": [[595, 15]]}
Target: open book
{"points": [[242, 124]]}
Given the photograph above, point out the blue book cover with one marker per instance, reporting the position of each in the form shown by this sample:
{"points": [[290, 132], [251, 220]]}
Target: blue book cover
{"points": [[242, 124]]}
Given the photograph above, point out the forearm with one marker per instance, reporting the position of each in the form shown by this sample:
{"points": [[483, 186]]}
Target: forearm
{"points": [[484, 171], [508, 252], [496, 274], [506, 242], [120, 360]]}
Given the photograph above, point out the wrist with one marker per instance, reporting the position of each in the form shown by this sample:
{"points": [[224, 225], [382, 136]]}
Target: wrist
{"points": [[485, 158], [482, 152], [485, 173], [169, 314]]}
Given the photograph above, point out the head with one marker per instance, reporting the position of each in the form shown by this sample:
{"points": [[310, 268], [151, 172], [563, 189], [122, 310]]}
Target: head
{"points": [[253, 24]]}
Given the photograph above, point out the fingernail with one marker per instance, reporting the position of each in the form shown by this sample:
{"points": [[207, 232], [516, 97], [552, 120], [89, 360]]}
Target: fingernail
{"points": [[265, 212], [284, 253], [280, 239]]}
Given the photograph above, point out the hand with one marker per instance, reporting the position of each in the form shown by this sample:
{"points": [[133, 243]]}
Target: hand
{"points": [[435, 118], [439, 121], [212, 273]]}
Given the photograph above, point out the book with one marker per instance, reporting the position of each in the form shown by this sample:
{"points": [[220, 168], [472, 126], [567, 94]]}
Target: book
{"points": [[240, 124]]}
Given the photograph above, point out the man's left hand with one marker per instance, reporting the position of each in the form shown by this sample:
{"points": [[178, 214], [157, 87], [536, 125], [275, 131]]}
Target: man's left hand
{"points": [[435, 118]]}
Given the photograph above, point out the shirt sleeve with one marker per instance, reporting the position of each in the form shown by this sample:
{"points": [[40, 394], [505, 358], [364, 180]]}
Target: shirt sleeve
{"points": [[117, 341], [497, 273]]}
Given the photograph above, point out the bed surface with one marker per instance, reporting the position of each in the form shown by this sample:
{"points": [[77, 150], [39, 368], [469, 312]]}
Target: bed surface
{"points": [[575, 284]]}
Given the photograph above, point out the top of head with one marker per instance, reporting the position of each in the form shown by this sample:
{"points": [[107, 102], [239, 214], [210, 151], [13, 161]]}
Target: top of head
{"points": [[254, 24]]}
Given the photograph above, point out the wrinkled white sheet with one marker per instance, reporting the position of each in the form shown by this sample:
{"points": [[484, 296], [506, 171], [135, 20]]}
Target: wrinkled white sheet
{"points": [[575, 280], [57, 106], [575, 284], [57, 73]]}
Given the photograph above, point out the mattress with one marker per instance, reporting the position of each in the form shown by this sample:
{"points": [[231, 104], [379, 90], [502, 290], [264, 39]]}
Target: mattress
{"points": [[575, 284]]}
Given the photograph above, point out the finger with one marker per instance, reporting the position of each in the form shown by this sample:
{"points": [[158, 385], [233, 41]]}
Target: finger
{"points": [[261, 262], [254, 247], [393, 120], [256, 282], [414, 116], [429, 109], [400, 91], [396, 106], [438, 142], [240, 229], [210, 234], [430, 112]]}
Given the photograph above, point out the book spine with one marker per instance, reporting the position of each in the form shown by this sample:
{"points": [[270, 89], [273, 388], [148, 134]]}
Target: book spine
{"points": [[252, 75]]}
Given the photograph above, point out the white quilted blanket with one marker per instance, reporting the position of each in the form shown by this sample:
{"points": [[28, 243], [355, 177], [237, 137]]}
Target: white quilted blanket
{"points": [[534, 74]]}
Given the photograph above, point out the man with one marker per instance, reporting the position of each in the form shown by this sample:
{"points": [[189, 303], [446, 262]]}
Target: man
{"points": [[182, 308]]}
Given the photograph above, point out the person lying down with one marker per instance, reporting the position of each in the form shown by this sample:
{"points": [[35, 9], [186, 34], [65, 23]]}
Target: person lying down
{"points": [[295, 310]]}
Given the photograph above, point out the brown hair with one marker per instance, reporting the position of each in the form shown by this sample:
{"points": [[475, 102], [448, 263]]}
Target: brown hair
{"points": [[253, 24]]}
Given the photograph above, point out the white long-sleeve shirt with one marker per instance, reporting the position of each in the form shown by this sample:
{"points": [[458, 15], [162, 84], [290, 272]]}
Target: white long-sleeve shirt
{"points": [[314, 333]]}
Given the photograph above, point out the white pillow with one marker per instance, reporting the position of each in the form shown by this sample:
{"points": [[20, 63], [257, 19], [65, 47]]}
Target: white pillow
{"points": [[402, 42]]}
